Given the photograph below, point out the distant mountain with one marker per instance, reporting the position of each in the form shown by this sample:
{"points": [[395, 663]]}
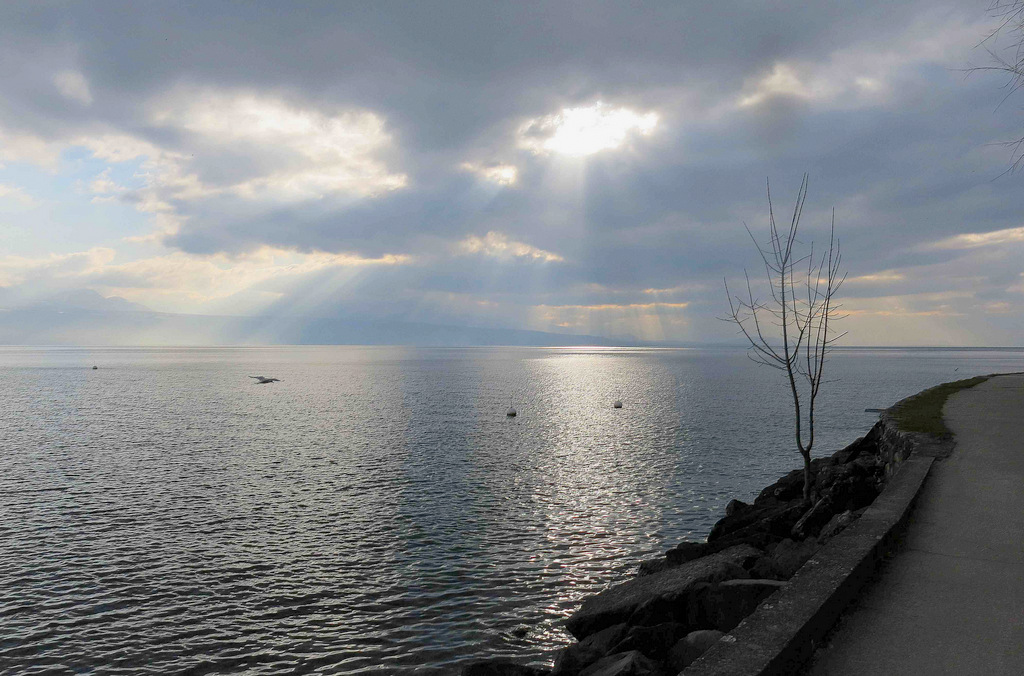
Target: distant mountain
{"points": [[82, 320]]}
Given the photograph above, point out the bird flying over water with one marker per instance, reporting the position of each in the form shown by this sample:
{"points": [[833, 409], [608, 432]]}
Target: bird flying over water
{"points": [[263, 380]]}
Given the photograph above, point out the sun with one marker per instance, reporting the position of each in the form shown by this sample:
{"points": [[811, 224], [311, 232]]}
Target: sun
{"points": [[585, 130]]}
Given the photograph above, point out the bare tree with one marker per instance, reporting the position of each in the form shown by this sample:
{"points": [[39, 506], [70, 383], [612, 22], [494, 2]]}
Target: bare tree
{"points": [[1009, 60], [792, 328]]}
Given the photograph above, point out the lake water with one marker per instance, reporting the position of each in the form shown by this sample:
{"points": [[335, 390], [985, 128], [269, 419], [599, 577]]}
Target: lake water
{"points": [[375, 511]]}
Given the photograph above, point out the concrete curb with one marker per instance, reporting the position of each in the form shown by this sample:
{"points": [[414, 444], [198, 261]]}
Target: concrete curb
{"points": [[779, 637]]}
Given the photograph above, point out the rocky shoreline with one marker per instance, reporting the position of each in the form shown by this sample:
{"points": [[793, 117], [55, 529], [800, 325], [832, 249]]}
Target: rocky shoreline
{"points": [[681, 604]]}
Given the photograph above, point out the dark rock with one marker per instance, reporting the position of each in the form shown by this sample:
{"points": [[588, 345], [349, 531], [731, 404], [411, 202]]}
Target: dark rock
{"points": [[853, 492], [682, 608], [751, 535], [726, 604], [775, 523], [501, 667], [829, 475], [692, 646], [765, 569], [767, 518], [791, 486], [869, 463], [577, 657], [687, 551], [866, 445], [817, 516], [836, 525], [652, 566], [623, 664], [618, 603], [787, 488], [789, 556], [654, 642], [736, 507]]}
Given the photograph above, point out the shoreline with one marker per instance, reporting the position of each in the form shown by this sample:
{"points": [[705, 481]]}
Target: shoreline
{"points": [[770, 578]]}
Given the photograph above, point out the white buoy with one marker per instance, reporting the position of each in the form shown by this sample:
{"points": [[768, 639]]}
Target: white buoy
{"points": [[617, 404]]}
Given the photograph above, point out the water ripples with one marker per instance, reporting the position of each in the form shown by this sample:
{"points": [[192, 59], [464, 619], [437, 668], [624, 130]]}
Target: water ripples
{"points": [[374, 512]]}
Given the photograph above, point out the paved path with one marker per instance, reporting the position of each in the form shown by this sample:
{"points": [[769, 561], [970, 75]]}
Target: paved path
{"points": [[952, 600]]}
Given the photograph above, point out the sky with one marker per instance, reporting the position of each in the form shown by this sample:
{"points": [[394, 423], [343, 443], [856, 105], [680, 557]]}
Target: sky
{"points": [[574, 167]]}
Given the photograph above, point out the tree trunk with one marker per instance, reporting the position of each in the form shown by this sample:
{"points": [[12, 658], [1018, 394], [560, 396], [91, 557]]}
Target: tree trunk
{"points": [[807, 475]]}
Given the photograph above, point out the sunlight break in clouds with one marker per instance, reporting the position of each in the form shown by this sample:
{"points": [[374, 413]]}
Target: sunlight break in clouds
{"points": [[585, 130], [502, 174], [500, 246]]}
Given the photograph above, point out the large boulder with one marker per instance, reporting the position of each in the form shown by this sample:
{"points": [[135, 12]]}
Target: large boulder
{"points": [[736, 507], [836, 525], [866, 445], [652, 566], [759, 518], [789, 556], [817, 516], [774, 524], [619, 602], [829, 475], [653, 641], [854, 492], [630, 663], [724, 605], [790, 486], [501, 667], [681, 608], [577, 657], [687, 551], [692, 646]]}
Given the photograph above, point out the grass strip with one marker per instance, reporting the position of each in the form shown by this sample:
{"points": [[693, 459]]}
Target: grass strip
{"points": [[923, 412]]}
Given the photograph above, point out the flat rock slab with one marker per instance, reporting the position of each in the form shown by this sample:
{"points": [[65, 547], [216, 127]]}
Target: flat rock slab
{"points": [[617, 603]]}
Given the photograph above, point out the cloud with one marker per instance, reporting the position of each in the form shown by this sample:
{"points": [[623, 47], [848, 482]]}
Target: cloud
{"points": [[971, 240], [15, 270], [178, 281], [297, 152], [782, 81], [519, 163], [19, 146], [17, 194], [502, 174], [497, 245], [73, 85], [884, 277]]}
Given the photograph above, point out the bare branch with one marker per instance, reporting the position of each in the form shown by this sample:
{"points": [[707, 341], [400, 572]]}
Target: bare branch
{"points": [[792, 330]]}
